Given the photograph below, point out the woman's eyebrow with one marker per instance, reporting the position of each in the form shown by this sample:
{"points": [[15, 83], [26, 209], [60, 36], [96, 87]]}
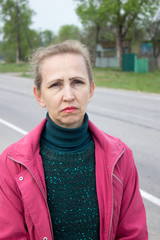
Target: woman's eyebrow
{"points": [[61, 80], [54, 80], [77, 77]]}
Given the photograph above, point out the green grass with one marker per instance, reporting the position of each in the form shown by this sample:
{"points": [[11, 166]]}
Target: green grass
{"points": [[13, 67], [145, 82], [111, 78]]}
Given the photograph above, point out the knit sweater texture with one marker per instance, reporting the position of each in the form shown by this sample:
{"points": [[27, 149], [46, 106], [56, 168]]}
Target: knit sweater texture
{"points": [[70, 181]]}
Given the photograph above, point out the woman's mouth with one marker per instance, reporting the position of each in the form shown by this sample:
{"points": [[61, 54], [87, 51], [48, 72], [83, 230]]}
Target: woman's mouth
{"points": [[69, 109]]}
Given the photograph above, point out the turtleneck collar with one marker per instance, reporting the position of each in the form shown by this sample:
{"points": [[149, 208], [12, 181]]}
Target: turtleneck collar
{"points": [[65, 139]]}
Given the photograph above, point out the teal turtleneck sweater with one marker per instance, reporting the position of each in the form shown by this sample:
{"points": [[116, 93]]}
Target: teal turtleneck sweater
{"points": [[65, 139], [68, 157]]}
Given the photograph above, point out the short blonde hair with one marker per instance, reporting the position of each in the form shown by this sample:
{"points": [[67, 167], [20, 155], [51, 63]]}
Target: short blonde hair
{"points": [[69, 46]]}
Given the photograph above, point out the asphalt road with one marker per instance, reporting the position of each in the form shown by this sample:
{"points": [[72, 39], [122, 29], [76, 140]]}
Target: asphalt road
{"points": [[132, 116]]}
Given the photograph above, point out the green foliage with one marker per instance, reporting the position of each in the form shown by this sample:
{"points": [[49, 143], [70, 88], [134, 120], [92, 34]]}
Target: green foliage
{"points": [[153, 32], [8, 51], [46, 37], [119, 15], [122, 12], [16, 16], [68, 32], [89, 39]]}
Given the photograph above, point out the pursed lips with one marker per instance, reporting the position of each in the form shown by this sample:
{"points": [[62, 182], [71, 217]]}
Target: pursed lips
{"points": [[69, 109]]}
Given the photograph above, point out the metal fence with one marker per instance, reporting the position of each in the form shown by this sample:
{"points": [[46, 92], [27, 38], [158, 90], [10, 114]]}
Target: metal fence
{"points": [[106, 62]]}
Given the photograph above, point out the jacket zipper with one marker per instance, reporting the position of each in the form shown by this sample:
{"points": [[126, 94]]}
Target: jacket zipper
{"points": [[112, 193], [40, 190]]}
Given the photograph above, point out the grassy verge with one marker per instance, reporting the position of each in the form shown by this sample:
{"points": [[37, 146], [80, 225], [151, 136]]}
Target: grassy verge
{"points": [[13, 67], [145, 82], [111, 78]]}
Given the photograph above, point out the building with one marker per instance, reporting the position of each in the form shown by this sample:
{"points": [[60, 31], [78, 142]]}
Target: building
{"points": [[106, 53]]}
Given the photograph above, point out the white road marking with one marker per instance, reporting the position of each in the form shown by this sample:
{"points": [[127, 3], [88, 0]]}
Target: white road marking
{"points": [[144, 194], [10, 125], [150, 197]]}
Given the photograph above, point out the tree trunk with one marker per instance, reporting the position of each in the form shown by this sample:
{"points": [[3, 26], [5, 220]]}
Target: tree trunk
{"points": [[119, 47], [19, 54]]}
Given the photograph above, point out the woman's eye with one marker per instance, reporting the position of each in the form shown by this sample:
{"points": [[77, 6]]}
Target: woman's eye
{"points": [[78, 82], [57, 84]]}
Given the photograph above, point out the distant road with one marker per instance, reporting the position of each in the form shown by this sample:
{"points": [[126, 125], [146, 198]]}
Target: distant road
{"points": [[132, 116]]}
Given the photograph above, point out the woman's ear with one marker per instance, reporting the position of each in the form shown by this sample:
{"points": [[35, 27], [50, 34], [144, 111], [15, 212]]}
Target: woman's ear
{"points": [[92, 87], [38, 95]]}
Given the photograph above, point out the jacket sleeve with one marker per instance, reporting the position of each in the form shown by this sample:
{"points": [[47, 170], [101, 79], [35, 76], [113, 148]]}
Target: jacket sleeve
{"points": [[132, 219], [12, 223]]}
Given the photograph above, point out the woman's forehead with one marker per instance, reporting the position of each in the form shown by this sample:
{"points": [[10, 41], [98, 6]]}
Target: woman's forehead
{"points": [[64, 57], [62, 66], [64, 62]]}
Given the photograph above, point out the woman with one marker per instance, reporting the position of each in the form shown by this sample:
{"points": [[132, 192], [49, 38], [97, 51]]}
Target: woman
{"points": [[67, 179]]}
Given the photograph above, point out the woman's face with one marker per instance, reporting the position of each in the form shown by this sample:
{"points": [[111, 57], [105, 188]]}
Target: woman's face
{"points": [[65, 89]]}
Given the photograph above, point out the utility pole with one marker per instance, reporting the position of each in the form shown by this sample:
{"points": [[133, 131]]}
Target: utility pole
{"points": [[26, 34]]}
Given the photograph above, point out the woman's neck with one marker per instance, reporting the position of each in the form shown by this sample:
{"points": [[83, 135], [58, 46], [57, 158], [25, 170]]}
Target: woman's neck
{"points": [[64, 139]]}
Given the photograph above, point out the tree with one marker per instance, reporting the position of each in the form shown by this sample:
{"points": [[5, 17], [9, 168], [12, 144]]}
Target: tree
{"points": [[17, 35], [68, 32], [120, 14], [46, 37], [149, 33], [153, 30]]}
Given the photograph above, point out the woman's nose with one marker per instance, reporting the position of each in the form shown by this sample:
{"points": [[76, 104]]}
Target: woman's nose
{"points": [[68, 94]]}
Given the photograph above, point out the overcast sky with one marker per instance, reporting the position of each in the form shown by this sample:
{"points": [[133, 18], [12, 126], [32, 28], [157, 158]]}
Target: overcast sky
{"points": [[52, 14]]}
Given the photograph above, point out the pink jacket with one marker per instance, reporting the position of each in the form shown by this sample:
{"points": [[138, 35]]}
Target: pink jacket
{"points": [[24, 212]]}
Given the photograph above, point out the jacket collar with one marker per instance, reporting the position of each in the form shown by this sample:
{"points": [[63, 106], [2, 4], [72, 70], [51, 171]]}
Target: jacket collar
{"points": [[111, 147], [25, 149]]}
